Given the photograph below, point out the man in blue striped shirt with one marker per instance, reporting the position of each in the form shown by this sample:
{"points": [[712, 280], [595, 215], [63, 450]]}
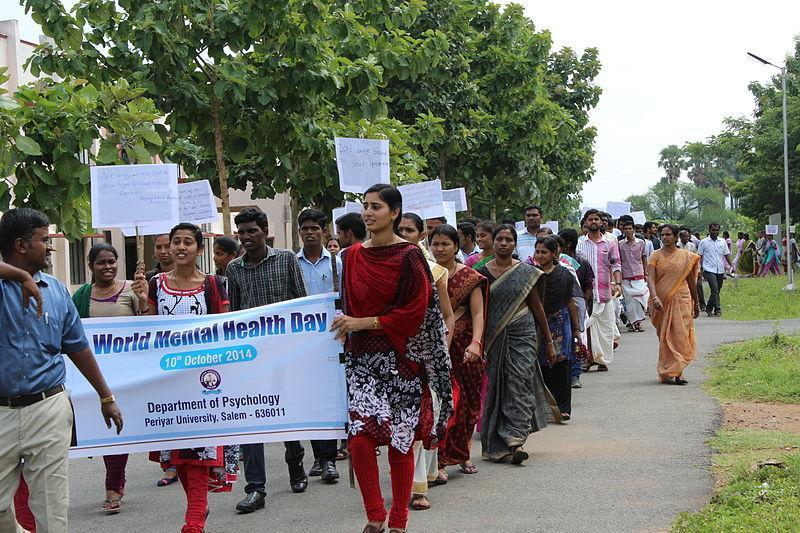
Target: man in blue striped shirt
{"points": [[526, 241]]}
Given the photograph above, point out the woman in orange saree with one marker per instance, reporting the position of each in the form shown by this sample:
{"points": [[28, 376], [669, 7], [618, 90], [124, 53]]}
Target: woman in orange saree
{"points": [[672, 278]]}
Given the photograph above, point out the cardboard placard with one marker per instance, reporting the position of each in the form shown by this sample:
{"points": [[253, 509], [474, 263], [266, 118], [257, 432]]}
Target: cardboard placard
{"points": [[638, 217], [617, 209], [362, 163], [131, 195], [450, 213], [196, 204], [424, 199], [458, 196]]}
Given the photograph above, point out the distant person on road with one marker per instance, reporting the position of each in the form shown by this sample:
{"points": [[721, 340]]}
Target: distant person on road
{"points": [[746, 266], [633, 256], [672, 277], [771, 263], [739, 245], [714, 253], [603, 256]]}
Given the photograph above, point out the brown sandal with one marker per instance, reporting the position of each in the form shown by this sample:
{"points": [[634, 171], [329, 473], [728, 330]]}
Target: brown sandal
{"points": [[417, 503], [371, 528]]}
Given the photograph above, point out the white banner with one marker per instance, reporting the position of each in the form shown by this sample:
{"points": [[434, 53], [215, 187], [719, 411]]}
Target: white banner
{"points": [[361, 163], [425, 199], [260, 375], [131, 195]]}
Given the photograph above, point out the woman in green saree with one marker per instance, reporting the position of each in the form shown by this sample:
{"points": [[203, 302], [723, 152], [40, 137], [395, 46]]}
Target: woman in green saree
{"points": [[517, 402], [746, 266]]}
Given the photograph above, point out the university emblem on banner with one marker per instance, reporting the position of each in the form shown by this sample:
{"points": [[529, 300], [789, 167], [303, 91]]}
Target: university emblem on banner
{"points": [[210, 380]]}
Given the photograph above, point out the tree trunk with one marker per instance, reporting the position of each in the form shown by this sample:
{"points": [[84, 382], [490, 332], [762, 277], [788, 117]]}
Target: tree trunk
{"points": [[222, 169], [295, 205], [442, 168]]}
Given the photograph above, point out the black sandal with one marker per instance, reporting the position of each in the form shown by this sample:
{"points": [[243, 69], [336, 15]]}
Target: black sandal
{"points": [[680, 381]]}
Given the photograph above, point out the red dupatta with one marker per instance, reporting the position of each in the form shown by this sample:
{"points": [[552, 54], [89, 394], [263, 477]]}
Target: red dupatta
{"points": [[391, 282]]}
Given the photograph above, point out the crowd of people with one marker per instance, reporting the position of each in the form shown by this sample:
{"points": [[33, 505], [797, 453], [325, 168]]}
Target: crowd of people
{"points": [[446, 330]]}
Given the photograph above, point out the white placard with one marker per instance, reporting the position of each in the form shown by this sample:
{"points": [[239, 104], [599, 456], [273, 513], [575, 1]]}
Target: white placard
{"points": [[553, 225], [424, 199], [617, 209], [772, 229], [520, 226], [349, 207], [196, 204], [131, 195], [450, 213], [362, 163], [458, 196], [638, 217]]}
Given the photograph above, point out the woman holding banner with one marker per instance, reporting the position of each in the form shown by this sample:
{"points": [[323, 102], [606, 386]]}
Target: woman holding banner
{"points": [[187, 291], [395, 348], [468, 294], [107, 296]]}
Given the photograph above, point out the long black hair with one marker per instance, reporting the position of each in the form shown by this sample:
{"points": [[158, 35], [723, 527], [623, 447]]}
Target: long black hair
{"points": [[197, 233], [101, 247], [391, 196], [415, 218], [501, 227], [448, 231]]}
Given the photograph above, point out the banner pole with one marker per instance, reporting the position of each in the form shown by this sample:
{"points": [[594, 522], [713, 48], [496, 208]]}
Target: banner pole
{"points": [[139, 251]]}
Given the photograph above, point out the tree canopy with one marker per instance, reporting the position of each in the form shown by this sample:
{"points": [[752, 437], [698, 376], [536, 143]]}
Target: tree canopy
{"points": [[256, 90]]}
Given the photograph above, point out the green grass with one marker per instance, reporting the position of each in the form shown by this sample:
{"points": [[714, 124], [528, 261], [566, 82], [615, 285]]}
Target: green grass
{"points": [[762, 370], [758, 299], [754, 499]]}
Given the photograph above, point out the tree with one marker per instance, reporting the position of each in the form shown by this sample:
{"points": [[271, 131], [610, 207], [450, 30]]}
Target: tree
{"points": [[673, 163], [60, 122]]}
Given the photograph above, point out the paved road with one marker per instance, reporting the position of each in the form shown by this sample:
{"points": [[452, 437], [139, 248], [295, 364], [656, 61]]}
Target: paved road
{"points": [[632, 457]]}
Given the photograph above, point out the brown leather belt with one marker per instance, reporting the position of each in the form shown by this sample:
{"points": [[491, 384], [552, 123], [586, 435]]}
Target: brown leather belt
{"points": [[15, 402]]}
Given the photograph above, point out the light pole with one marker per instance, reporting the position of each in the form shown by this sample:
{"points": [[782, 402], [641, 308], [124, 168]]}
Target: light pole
{"points": [[789, 269]]}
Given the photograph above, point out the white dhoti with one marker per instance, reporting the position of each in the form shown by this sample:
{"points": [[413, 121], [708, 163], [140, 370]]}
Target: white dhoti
{"points": [[602, 325], [636, 295]]}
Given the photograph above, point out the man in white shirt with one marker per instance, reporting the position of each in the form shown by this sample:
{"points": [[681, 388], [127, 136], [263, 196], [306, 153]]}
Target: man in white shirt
{"points": [[713, 253], [526, 240]]}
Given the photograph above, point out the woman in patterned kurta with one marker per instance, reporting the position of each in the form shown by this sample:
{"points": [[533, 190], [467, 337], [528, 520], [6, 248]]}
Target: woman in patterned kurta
{"points": [[187, 291], [395, 349]]}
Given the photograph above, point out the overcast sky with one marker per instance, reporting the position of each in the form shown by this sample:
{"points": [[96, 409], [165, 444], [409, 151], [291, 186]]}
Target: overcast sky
{"points": [[672, 71]]}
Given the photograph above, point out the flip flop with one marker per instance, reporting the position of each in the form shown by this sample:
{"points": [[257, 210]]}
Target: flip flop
{"points": [[468, 469], [518, 456], [417, 505], [164, 481], [112, 506]]}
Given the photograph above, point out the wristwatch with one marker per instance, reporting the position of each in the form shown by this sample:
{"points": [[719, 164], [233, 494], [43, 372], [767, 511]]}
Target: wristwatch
{"points": [[108, 399]]}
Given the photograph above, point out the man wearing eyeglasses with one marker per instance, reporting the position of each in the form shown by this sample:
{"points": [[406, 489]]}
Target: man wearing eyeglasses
{"points": [[315, 262]]}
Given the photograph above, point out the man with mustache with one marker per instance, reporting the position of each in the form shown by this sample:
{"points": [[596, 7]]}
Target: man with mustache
{"points": [[603, 256]]}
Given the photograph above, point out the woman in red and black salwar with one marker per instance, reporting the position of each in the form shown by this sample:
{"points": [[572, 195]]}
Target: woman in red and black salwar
{"points": [[396, 353]]}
